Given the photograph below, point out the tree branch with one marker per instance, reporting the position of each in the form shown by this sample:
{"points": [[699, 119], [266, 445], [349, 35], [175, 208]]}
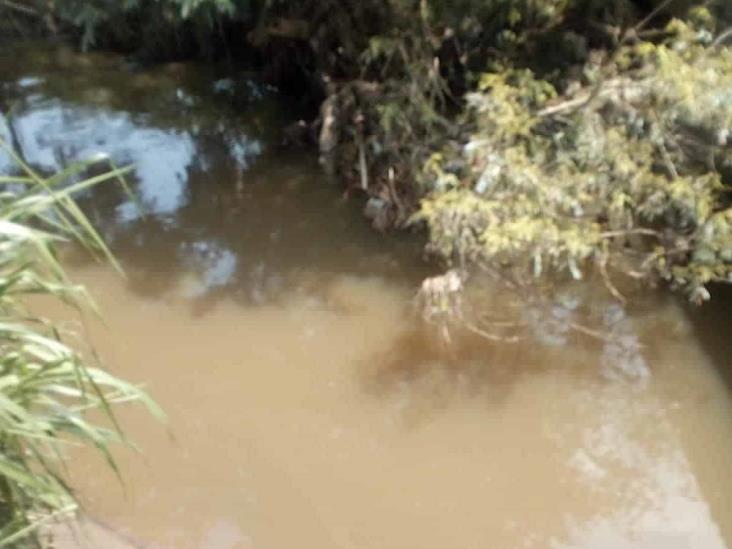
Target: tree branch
{"points": [[721, 38], [27, 10]]}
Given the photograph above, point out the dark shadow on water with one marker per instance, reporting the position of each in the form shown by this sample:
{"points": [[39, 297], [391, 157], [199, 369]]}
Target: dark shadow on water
{"points": [[420, 375], [712, 324]]}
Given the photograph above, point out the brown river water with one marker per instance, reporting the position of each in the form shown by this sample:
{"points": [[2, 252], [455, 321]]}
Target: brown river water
{"points": [[307, 408]]}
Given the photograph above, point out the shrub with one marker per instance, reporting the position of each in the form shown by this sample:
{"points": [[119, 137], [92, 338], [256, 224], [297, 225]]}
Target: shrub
{"points": [[623, 171]]}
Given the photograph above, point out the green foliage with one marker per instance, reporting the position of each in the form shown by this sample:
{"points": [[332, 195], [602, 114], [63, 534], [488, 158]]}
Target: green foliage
{"points": [[589, 132], [624, 172], [159, 27], [47, 390]]}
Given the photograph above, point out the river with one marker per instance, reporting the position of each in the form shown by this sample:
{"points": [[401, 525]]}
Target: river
{"points": [[306, 406]]}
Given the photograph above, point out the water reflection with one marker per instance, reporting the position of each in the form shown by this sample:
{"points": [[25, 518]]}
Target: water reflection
{"points": [[6, 164], [209, 264], [631, 458], [213, 199], [581, 330], [51, 134]]}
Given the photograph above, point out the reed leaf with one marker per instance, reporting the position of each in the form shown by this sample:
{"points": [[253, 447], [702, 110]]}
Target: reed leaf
{"points": [[47, 389]]}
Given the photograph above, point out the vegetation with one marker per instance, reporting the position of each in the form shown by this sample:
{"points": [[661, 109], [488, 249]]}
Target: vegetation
{"points": [[539, 138], [47, 388], [534, 140], [622, 171]]}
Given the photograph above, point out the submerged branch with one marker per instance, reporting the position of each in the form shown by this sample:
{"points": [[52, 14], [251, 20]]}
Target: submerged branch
{"points": [[491, 336]]}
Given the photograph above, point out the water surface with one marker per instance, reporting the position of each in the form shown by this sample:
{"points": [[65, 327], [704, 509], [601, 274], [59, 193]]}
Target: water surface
{"points": [[309, 408]]}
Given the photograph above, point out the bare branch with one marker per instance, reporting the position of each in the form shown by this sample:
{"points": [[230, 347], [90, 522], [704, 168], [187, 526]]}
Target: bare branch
{"points": [[602, 266], [662, 6], [722, 38], [490, 336], [627, 232], [584, 98], [27, 10]]}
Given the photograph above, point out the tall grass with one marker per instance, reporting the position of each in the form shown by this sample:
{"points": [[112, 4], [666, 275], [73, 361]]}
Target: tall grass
{"points": [[47, 389]]}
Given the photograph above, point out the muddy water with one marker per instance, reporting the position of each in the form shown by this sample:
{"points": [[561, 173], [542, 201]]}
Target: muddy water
{"points": [[306, 406]]}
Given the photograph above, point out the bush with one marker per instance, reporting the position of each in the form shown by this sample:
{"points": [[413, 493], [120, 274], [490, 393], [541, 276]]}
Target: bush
{"points": [[623, 171]]}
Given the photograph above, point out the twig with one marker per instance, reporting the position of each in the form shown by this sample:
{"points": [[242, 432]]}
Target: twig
{"points": [[664, 252], [626, 232], [602, 266], [721, 38], [27, 10], [589, 332], [670, 166], [363, 168], [401, 209], [662, 6], [627, 35], [561, 107], [586, 98], [490, 336]]}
